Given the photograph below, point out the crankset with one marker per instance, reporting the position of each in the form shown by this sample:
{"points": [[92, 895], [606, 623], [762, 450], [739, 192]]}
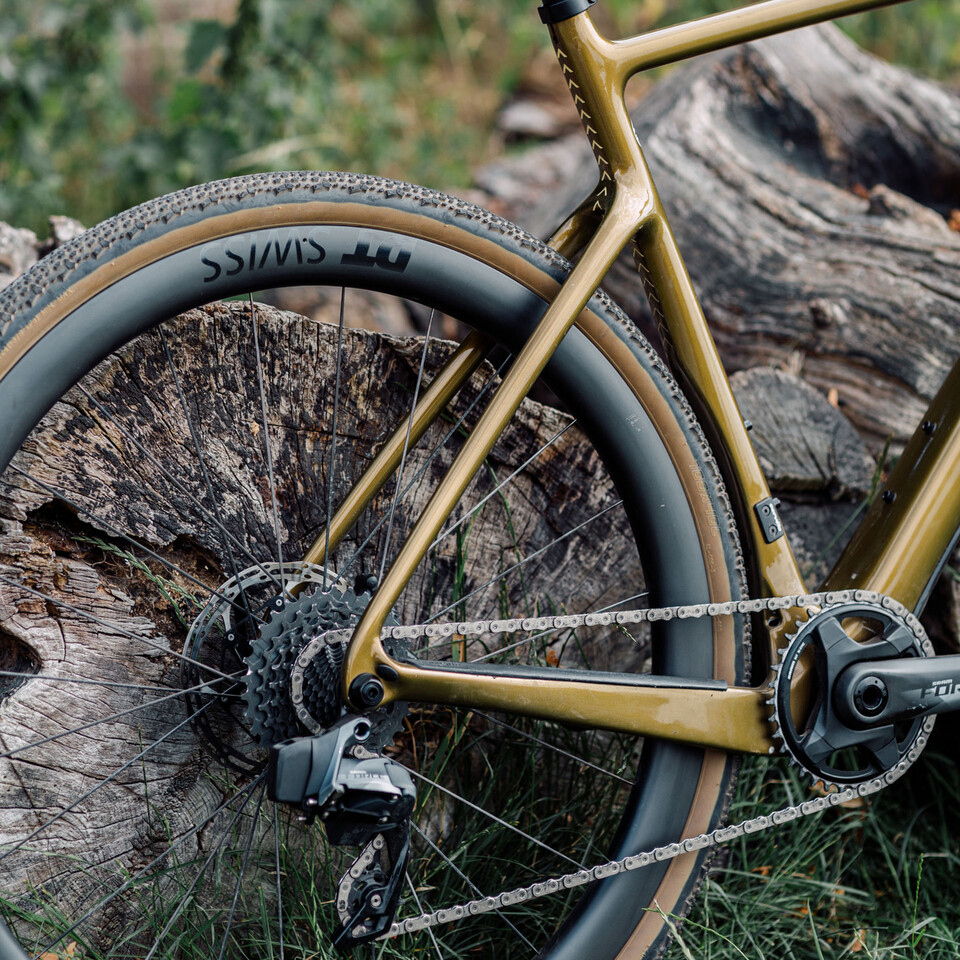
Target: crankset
{"points": [[869, 697], [363, 800]]}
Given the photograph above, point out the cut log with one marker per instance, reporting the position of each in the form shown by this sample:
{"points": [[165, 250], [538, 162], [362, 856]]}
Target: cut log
{"points": [[809, 185], [113, 527]]}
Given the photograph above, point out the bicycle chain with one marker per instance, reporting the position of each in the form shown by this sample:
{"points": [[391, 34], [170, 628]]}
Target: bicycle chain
{"points": [[668, 851]]}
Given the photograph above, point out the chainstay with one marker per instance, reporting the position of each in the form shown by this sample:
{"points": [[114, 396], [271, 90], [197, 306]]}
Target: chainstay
{"points": [[704, 841]]}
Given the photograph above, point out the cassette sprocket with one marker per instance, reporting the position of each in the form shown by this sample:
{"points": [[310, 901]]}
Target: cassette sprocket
{"points": [[274, 651]]}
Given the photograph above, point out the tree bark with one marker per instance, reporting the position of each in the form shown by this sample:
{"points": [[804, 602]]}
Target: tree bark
{"points": [[810, 187]]}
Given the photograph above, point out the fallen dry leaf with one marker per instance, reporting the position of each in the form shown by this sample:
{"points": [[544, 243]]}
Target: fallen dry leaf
{"points": [[67, 954]]}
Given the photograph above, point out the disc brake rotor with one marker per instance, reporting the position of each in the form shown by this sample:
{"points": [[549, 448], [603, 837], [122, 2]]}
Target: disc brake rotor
{"points": [[253, 627]]}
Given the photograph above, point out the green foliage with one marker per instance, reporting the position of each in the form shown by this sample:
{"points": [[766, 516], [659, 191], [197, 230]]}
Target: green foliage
{"points": [[876, 880], [375, 85], [405, 88], [60, 102]]}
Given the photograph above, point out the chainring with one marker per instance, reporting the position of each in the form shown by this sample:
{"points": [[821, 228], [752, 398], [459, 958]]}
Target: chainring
{"points": [[822, 745]]}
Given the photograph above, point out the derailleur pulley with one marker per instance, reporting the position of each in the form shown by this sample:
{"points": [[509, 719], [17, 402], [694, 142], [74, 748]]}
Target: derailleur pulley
{"points": [[363, 800]]}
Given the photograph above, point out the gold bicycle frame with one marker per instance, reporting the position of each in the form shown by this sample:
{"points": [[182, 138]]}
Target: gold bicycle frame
{"points": [[897, 548]]}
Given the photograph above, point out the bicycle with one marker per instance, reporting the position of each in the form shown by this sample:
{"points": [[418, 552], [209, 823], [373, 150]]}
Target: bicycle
{"points": [[270, 602]]}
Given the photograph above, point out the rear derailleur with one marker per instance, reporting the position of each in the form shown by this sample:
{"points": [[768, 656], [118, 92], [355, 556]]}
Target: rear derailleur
{"points": [[363, 800]]}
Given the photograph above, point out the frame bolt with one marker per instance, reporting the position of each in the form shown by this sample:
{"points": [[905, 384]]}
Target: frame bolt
{"points": [[888, 496], [928, 426], [366, 690], [365, 583]]}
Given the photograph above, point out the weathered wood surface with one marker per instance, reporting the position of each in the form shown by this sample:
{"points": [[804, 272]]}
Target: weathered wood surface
{"points": [[810, 186], [19, 248], [59, 534]]}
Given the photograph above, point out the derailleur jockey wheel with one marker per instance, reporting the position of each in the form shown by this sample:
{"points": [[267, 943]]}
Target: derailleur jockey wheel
{"points": [[842, 739]]}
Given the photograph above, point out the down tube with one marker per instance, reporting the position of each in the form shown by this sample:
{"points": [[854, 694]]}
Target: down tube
{"points": [[909, 530]]}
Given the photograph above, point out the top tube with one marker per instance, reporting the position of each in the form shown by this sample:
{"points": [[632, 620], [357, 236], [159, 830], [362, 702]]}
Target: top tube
{"points": [[714, 32]]}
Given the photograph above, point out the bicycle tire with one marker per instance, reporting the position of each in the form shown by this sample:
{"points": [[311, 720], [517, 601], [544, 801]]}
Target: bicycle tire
{"points": [[98, 293]]}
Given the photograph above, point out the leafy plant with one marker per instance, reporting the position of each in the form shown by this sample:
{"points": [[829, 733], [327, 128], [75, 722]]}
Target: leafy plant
{"points": [[402, 88]]}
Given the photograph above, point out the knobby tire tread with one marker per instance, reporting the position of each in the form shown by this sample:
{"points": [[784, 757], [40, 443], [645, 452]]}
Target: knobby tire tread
{"points": [[22, 299]]}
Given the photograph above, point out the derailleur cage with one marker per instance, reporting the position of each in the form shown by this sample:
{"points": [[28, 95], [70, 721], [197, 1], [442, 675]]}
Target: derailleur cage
{"points": [[363, 800]]}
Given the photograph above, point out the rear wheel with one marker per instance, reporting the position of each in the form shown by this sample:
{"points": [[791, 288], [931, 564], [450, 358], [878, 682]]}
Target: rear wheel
{"points": [[172, 446]]}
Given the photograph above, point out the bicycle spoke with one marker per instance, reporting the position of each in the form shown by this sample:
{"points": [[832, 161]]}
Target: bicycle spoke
{"points": [[553, 747], [111, 684], [234, 570], [243, 869], [114, 628], [333, 440], [478, 894], [423, 468], [276, 850], [503, 823], [181, 906], [406, 444], [115, 716], [131, 881], [49, 823], [115, 531], [201, 510], [476, 508], [416, 900], [266, 439], [521, 563]]}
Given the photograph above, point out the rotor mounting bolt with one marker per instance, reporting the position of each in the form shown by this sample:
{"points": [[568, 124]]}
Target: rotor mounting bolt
{"points": [[366, 690], [870, 696], [366, 583]]}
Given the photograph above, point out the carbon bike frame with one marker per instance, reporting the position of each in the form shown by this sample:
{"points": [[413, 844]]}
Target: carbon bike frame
{"points": [[897, 550]]}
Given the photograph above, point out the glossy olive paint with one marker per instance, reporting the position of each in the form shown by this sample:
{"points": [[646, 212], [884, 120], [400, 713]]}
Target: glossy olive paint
{"points": [[896, 550]]}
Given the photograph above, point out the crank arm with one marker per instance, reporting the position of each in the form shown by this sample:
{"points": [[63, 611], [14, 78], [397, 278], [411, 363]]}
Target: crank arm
{"points": [[876, 693]]}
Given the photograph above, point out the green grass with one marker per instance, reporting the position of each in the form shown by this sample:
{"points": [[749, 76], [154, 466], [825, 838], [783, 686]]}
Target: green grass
{"points": [[875, 881]]}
